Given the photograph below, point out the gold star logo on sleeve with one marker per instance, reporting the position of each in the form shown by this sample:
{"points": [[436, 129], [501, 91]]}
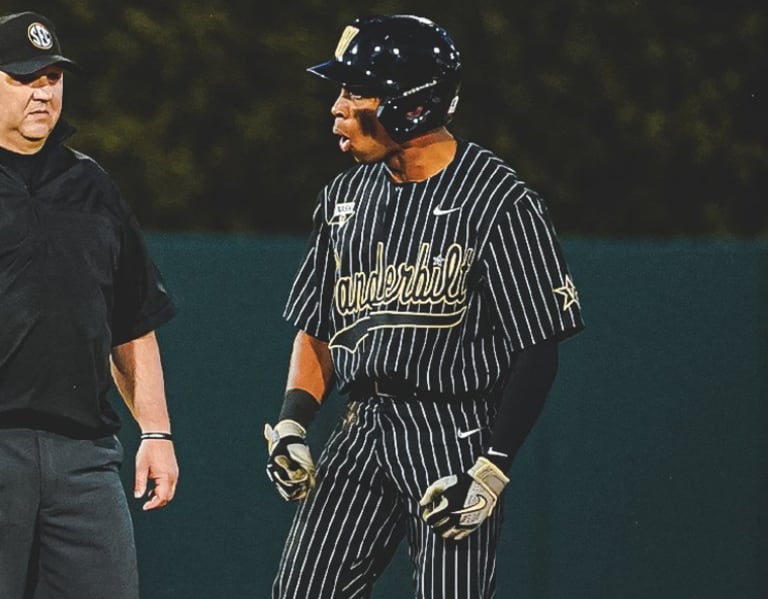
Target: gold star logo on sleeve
{"points": [[569, 293]]}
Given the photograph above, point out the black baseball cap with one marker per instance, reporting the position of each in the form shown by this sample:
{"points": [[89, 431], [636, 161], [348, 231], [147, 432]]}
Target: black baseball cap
{"points": [[28, 43]]}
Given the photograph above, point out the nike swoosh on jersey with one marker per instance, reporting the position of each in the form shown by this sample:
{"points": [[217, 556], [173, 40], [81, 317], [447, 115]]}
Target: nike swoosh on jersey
{"points": [[475, 507], [492, 451], [443, 211], [465, 434]]}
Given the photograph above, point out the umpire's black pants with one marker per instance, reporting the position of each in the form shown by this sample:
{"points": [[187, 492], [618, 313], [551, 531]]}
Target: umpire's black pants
{"points": [[65, 528]]}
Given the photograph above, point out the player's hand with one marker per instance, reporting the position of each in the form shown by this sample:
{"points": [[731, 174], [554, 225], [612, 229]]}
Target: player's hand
{"points": [[290, 466], [454, 506]]}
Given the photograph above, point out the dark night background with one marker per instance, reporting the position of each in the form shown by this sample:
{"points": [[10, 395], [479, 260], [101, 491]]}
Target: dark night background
{"points": [[633, 118], [643, 125]]}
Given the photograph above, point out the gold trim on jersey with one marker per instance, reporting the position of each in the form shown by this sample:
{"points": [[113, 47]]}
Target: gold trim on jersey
{"points": [[350, 337]]}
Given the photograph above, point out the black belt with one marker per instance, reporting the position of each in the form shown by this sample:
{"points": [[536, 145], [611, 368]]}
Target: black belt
{"points": [[402, 391]]}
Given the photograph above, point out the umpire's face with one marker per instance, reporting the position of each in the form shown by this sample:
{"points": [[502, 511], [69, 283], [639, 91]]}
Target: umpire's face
{"points": [[359, 129], [30, 107]]}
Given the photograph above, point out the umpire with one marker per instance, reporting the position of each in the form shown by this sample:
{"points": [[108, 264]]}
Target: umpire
{"points": [[433, 293], [80, 300]]}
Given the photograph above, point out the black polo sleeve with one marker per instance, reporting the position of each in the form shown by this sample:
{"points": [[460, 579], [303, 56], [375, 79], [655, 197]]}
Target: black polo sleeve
{"points": [[141, 301]]}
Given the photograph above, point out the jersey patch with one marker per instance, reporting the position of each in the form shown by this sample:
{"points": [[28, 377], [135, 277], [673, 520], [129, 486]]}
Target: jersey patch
{"points": [[569, 293], [342, 212]]}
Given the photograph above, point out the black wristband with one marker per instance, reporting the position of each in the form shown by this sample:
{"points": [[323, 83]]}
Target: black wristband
{"points": [[501, 460], [166, 436], [299, 405]]}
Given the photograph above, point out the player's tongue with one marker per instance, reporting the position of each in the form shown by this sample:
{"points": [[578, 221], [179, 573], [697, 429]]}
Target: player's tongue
{"points": [[344, 144]]}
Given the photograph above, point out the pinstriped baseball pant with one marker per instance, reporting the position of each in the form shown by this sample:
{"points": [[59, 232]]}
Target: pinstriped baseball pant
{"points": [[374, 469]]}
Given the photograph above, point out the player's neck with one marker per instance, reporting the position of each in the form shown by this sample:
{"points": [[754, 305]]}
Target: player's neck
{"points": [[422, 157]]}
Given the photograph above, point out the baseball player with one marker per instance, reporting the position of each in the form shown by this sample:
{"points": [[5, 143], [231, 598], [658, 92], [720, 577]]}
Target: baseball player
{"points": [[433, 294]]}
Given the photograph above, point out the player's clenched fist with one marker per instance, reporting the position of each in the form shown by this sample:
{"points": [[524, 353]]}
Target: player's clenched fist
{"points": [[290, 466], [456, 505]]}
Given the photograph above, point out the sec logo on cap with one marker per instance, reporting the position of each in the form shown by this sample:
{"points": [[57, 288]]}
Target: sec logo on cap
{"points": [[40, 37]]}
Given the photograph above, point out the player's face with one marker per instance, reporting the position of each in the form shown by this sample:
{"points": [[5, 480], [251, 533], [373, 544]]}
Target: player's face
{"points": [[30, 107], [358, 128]]}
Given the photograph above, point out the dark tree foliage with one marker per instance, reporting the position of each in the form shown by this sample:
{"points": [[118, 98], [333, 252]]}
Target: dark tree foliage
{"points": [[631, 117]]}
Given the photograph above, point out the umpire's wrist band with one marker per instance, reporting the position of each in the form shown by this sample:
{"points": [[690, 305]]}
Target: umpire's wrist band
{"points": [[166, 436]]}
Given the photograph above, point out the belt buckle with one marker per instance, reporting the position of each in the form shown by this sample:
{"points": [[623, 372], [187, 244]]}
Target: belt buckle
{"points": [[378, 392]]}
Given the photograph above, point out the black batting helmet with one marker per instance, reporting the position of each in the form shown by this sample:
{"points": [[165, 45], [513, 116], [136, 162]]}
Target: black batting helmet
{"points": [[409, 62]]}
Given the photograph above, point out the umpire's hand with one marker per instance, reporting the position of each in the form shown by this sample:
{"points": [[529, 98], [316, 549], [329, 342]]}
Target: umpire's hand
{"points": [[290, 466], [454, 506]]}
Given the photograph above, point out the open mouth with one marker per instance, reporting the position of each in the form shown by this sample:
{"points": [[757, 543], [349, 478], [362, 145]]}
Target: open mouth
{"points": [[344, 143]]}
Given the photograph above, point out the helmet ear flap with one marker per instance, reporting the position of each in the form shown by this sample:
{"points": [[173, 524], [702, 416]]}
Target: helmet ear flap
{"points": [[406, 116], [402, 115]]}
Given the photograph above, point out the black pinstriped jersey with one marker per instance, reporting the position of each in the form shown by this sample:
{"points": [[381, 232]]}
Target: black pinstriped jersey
{"points": [[437, 282]]}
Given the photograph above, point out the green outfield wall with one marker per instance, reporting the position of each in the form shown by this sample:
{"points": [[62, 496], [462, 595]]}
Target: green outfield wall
{"points": [[646, 476]]}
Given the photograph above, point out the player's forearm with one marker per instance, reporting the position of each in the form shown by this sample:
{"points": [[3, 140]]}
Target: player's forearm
{"points": [[522, 400], [310, 376], [311, 368], [138, 375]]}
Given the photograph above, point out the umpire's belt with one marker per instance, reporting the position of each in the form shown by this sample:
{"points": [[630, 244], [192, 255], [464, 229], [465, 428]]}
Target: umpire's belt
{"points": [[401, 391]]}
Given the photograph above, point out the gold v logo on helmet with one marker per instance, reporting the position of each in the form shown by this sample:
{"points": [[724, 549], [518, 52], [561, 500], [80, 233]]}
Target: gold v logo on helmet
{"points": [[346, 38]]}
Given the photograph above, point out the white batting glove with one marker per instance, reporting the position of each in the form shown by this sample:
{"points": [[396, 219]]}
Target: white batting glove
{"points": [[290, 466], [456, 505]]}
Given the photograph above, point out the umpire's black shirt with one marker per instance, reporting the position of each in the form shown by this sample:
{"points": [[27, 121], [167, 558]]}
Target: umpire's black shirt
{"points": [[75, 281]]}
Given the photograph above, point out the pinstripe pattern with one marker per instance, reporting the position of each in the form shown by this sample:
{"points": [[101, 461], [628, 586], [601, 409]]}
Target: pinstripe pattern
{"points": [[399, 281], [371, 475], [438, 284]]}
